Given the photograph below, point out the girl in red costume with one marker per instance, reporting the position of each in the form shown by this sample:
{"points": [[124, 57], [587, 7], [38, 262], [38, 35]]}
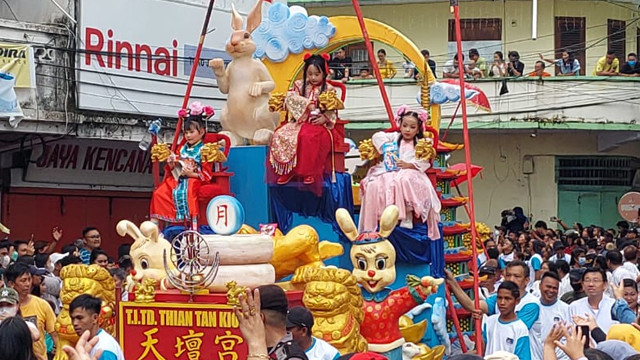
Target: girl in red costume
{"points": [[301, 146]]}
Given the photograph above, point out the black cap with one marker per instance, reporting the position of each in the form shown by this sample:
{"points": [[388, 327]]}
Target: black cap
{"points": [[491, 270], [299, 316], [272, 297], [37, 271], [558, 245]]}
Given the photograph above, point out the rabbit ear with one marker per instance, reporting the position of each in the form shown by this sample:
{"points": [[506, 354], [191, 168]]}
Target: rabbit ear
{"points": [[255, 17], [348, 227], [388, 220], [236, 20]]}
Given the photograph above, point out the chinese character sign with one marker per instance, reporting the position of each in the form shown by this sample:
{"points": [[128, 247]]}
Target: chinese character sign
{"points": [[225, 215], [169, 331]]}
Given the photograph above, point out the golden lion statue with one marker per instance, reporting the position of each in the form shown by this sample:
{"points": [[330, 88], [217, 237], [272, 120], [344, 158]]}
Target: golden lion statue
{"points": [[84, 279], [333, 297]]}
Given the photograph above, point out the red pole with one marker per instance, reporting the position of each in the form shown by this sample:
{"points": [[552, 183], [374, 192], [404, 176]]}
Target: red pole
{"points": [[456, 322], [192, 76], [467, 160], [374, 63]]}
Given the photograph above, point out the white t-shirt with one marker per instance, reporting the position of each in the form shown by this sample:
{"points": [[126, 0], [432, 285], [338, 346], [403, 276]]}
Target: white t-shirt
{"points": [[621, 273], [321, 350], [566, 258], [565, 286], [632, 268], [602, 315], [110, 348], [511, 337], [551, 314]]}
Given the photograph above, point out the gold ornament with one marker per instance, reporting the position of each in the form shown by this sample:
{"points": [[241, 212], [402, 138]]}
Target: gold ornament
{"points": [[425, 150], [212, 152], [367, 150], [146, 291], [483, 233], [276, 102], [412, 332], [233, 291], [84, 279], [160, 152], [329, 100], [333, 297]]}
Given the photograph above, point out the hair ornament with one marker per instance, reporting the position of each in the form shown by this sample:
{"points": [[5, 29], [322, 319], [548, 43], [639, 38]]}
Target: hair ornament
{"points": [[197, 109], [307, 56]]}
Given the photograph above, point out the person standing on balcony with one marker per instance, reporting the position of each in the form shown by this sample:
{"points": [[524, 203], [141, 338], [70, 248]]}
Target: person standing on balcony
{"points": [[608, 65], [387, 70], [515, 66], [568, 64], [451, 70], [480, 62], [431, 63], [498, 68], [631, 67]]}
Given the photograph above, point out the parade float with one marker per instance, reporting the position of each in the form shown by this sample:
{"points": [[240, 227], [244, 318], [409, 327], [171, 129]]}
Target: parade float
{"points": [[236, 229]]}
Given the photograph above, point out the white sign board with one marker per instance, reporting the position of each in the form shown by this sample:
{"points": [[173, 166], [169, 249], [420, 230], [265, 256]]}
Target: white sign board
{"points": [[136, 56], [90, 162]]}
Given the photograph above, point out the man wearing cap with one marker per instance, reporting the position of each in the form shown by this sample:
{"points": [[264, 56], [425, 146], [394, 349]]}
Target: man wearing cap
{"points": [[577, 293], [32, 308], [274, 307], [488, 286], [9, 308], [558, 249], [300, 323]]}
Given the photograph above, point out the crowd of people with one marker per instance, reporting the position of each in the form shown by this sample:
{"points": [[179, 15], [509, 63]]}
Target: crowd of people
{"points": [[477, 67], [30, 295], [545, 293]]}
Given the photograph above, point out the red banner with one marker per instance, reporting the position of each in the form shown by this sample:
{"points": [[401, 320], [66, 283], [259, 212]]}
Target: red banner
{"points": [[193, 331]]}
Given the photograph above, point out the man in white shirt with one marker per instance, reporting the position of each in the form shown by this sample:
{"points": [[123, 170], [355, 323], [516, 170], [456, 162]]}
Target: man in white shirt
{"points": [[565, 280], [299, 324], [630, 254], [552, 310], [558, 249], [618, 272], [594, 282], [84, 311]]}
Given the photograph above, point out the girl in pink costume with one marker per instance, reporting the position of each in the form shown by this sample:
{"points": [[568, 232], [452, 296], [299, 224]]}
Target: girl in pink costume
{"points": [[407, 186]]}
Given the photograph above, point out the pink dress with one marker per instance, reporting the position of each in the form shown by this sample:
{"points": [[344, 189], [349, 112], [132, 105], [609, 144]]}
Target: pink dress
{"points": [[408, 189]]}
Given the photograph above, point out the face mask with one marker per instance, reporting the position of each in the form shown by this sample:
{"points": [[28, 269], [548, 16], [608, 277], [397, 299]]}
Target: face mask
{"points": [[582, 260], [14, 256], [632, 63], [9, 311], [4, 261], [49, 267]]}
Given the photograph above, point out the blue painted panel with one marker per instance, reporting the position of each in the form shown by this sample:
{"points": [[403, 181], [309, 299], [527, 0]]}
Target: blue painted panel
{"points": [[248, 163]]}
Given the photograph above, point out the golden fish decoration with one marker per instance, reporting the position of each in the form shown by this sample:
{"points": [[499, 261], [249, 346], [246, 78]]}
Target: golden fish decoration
{"points": [[425, 150], [367, 150], [329, 100], [276, 102], [211, 152], [160, 152]]}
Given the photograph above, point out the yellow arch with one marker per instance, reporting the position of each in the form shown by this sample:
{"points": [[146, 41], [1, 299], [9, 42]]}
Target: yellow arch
{"points": [[348, 31]]}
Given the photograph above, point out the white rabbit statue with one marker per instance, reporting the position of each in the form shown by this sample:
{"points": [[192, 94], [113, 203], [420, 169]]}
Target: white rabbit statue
{"points": [[247, 83]]}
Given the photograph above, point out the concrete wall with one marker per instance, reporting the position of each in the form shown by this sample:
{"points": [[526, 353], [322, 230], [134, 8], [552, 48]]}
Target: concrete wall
{"points": [[503, 185], [427, 24]]}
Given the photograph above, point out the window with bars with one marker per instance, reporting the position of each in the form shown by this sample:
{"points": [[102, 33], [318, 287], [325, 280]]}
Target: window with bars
{"points": [[617, 37], [595, 171], [477, 29], [570, 35]]}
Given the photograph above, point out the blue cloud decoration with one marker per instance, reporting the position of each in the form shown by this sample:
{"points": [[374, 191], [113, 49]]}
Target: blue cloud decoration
{"points": [[288, 30]]}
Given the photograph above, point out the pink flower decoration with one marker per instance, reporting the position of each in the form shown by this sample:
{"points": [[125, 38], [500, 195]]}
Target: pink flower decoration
{"points": [[182, 113], [208, 111], [196, 108], [401, 111]]}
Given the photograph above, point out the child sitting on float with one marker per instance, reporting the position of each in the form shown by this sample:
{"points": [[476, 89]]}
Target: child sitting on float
{"points": [[175, 200], [400, 179], [300, 147]]}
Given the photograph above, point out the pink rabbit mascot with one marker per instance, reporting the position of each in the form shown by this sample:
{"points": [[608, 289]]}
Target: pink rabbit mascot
{"points": [[400, 179], [247, 83]]}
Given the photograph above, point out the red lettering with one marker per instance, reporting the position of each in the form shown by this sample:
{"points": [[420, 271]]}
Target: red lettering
{"points": [[139, 50], [124, 46], [140, 161], [92, 49], [73, 159], [163, 61], [88, 158], [42, 160], [65, 152], [130, 161]]}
